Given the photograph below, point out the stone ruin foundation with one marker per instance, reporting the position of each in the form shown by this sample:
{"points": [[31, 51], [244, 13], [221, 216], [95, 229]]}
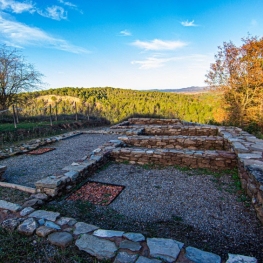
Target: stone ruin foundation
{"points": [[172, 142], [148, 141]]}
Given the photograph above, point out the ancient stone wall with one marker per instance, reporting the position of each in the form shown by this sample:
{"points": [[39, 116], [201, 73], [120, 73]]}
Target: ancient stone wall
{"points": [[172, 130], [177, 142], [240, 149], [151, 121], [77, 172], [184, 158]]}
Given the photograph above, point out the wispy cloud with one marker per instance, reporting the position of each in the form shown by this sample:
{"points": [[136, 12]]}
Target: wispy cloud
{"points": [[158, 44], [158, 62], [54, 12], [152, 62], [67, 3], [125, 33], [188, 23], [17, 7], [20, 35]]}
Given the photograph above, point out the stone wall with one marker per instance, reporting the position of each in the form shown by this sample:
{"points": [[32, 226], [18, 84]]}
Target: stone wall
{"points": [[150, 121], [241, 150], [247, 148], [77, 172], [177, 142], [249, 151], [185, 158], [172, 130]]}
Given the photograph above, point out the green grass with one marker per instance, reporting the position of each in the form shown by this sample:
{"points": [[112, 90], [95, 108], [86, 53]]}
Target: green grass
{"points": [[29, 125], [24, 125], [15, 248], [13, 195]]}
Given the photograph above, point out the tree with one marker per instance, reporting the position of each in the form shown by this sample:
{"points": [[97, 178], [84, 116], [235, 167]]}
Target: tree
{"points": [[238, 74], [16, 75]]}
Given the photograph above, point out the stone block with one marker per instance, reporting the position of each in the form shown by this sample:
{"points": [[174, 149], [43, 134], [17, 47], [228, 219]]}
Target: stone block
{"points": [[10, 206], [100, 248], [197, 255], [72, 175], [49, 182]]}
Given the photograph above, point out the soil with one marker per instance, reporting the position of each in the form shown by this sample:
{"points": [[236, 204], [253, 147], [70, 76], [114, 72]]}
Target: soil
{"points": [[41, 151], [97, 193]]}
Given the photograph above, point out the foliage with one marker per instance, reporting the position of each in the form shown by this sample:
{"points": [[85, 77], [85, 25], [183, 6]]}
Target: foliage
{"points": [[238, 74], [119, 104], [16, 75]]}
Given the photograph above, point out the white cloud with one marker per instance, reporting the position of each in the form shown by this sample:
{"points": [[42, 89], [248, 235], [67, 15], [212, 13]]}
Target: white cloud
{"points": [[17, 7], [54, 12], [158, 44], [158, 62], [187, 23], [19, 35], [67, 3], [125, 33]]}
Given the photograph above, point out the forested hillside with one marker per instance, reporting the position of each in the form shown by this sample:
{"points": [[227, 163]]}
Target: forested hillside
{"points": [[118, 104]]}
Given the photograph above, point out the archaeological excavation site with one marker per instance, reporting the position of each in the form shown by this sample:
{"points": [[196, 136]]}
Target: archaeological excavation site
{"points": [[150, 171]]}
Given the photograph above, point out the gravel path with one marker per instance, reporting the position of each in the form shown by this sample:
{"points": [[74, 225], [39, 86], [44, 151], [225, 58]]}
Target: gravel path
{"points": [[26, 169]]}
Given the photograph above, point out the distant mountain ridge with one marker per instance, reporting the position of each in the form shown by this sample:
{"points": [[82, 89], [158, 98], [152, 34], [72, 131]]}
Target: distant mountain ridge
{"points": [[193, 89]]}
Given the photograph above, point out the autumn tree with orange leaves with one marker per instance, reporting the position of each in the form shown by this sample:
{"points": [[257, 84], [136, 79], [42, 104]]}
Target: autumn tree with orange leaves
{"points": [[238, 75]]}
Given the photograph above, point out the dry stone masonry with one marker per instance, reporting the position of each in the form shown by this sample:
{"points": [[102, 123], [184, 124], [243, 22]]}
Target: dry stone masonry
{"points": [[117, 246], [142, 140], [240, 149]]}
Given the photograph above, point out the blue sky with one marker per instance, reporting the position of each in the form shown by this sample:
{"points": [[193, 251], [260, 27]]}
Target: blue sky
{"points": [[135, 44]]}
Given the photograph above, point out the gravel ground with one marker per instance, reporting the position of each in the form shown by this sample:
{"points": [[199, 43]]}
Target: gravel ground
{"points": [[26, 169], [165, 194]]}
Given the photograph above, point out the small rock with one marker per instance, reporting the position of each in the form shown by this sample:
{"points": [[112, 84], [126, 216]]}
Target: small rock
{"points": [[133, 246], [200, 256], [44, 231], [10, 224], [167, 249], [83, 228], [136, 237], [66, 221], [26, 211], [33, 203], [40, 196], [28, 227], [10, 206], [124, 257], [100, 248], [61, 239], [52, 225], [108, 233], [240, 259], [51, 216]]}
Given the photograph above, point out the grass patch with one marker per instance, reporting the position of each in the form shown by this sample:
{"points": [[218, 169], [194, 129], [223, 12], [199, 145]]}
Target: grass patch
{"points": [[13, 195], [234, 187], [15, 248]]}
